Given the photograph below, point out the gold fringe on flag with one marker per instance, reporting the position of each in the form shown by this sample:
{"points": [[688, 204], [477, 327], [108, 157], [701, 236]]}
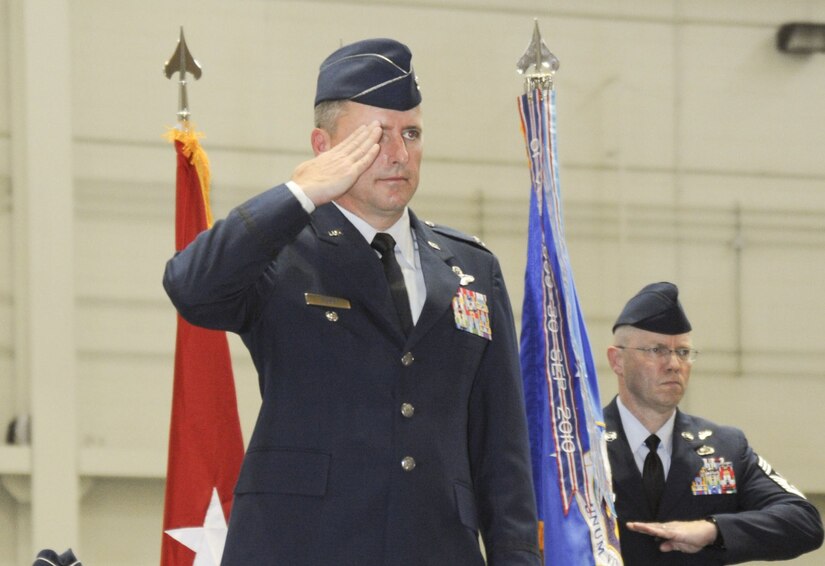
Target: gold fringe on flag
{"points": [[190, 139]]}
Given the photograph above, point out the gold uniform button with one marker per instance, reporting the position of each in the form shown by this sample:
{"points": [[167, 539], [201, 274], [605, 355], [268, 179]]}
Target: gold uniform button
{"points": [[407, 410], [332, 316], [407, 359], [408, 463]]}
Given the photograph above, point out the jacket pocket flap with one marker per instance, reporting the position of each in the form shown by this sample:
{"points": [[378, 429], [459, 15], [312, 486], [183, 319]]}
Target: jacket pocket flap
{"points": [[466, 503]]}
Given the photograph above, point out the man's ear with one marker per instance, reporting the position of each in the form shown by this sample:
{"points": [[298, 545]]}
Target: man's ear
{"points": [[320, 140], [614, 358]]}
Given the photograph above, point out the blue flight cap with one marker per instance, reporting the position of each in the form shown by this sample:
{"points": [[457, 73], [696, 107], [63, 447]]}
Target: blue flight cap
{"points": [[50, 557], [656, 308], [376, 72]]}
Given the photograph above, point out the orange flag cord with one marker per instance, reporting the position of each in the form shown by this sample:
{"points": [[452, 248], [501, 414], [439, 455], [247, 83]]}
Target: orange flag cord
{"points": [[190, 139]]}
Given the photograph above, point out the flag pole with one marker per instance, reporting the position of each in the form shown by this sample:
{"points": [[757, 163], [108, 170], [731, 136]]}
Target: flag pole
{"points": [[184, 134], [543, 62], [571, 473], [182, 62], [205, 441]]}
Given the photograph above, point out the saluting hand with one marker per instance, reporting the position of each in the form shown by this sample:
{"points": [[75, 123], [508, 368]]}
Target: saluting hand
{"points": [[333, 171], [680, 536]]}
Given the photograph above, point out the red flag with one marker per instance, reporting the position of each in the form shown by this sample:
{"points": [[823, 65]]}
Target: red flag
{"points": [[205, 442]]}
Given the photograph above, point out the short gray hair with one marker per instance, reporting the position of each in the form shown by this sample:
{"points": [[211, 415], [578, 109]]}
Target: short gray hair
{"points": [[327, 114], [623, 333]]}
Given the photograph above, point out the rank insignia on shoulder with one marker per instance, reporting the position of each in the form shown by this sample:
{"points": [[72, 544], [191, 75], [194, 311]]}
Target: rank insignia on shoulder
{"points": [[715, 478], [472, 313], [778, 478], [454, 234]]}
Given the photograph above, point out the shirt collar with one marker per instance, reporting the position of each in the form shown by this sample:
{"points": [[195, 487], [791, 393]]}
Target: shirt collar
{"points": [[636, 432], [400, 231]]}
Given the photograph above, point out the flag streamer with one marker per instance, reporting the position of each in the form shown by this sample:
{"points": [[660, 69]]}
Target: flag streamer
{"points": [[570, 467]]}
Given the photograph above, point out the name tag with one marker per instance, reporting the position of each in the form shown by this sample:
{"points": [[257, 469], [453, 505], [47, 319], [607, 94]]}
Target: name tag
{"points": [[316, 300]]}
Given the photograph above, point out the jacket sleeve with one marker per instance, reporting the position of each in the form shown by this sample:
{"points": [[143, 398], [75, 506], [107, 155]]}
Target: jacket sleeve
{"points": [[499, 448], [775, 521], [215, 282]]}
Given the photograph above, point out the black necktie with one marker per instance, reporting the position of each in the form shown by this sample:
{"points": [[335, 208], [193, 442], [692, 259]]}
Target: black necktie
{"points": [[385, 245], [653, 474]]}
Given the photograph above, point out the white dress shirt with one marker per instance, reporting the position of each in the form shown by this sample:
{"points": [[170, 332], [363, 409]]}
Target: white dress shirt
{"points": [[636, 434]]}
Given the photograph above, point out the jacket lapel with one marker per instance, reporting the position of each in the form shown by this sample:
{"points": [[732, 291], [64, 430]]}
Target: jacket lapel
{"points": [[345, 254], [685, 465], [435, 255], [627, 480]]}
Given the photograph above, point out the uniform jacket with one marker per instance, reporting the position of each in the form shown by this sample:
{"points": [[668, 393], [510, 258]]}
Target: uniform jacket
{"points": [[346, 397], [765, 519]]}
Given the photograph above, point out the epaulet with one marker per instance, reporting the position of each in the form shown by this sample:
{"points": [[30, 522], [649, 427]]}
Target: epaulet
{"points": [[456, 235]]}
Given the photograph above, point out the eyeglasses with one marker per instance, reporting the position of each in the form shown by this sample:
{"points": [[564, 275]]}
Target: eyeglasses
{"points": [[660, 352]]}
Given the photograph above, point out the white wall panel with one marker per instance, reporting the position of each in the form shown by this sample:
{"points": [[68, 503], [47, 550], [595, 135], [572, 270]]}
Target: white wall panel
{"points": [[119, 517], [747, 107]]}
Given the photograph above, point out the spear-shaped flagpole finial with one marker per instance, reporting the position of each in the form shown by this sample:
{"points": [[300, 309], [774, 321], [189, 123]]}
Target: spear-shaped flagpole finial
{"points": [[539, 57], [182, 62]]}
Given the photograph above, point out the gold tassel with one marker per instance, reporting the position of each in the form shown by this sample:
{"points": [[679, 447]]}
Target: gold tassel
{"points": [[194, 152]]}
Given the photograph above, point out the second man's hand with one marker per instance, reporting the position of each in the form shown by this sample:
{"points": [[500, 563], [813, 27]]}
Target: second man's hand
{"points": [[680, 536], [332, 172]]}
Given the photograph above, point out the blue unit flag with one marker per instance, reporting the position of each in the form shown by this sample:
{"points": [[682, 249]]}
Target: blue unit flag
{"points": [[571, 472]]}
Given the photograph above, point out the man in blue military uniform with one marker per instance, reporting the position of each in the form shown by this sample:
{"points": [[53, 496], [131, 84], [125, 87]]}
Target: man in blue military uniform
{"points": [[392, 427], [688, 491]]}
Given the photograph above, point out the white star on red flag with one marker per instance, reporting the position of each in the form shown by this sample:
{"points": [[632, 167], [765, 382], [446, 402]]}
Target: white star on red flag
{"points": [[206, 541]]}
